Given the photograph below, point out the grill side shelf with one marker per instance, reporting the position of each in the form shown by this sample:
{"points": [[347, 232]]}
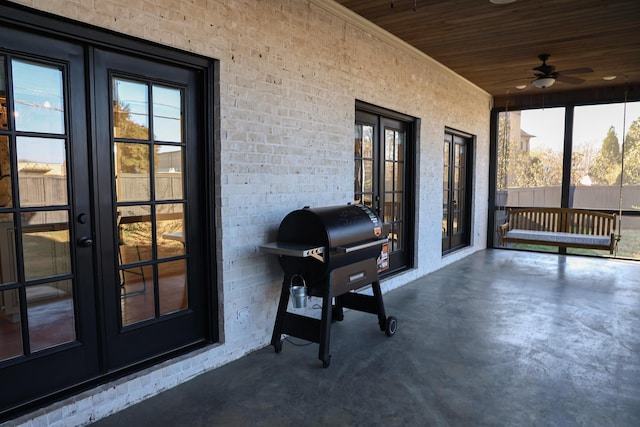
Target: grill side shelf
{"points": [[294, 249]]}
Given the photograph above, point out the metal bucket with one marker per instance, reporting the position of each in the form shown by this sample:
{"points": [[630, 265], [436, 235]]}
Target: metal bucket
{"points": [[298, 292]]}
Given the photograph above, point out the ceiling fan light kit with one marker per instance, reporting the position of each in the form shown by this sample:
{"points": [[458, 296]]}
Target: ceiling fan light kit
{"points": [[544, 82]]}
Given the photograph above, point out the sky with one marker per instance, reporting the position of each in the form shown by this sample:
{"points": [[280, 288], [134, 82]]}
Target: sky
{"points": [[591, 124]]}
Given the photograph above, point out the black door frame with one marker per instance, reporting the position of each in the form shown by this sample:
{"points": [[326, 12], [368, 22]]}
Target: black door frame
{"points": [[129, 345], [371, 114], [457, 241]]}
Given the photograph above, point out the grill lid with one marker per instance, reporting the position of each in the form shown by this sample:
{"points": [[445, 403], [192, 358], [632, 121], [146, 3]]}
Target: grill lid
{"points": [[337, 228]]}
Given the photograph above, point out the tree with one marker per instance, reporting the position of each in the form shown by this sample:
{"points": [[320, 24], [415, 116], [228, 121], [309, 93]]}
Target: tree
{"points": [[632, 154], [606, 166]]}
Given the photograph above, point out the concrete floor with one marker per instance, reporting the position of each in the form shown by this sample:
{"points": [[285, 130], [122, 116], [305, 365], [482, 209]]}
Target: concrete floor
{"points": [[501, 338]]}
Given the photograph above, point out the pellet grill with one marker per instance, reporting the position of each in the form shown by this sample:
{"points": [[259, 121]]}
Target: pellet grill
{"points": [[330, 251]]}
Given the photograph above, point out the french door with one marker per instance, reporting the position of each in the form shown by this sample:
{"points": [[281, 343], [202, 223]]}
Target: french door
{"points": [[383, 178], [457, 191], [149, 201], [47, 320], [102, 224]]}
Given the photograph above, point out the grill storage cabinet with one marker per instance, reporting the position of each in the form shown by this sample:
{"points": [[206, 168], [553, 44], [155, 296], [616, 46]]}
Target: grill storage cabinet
{"points": [[335, 250]]}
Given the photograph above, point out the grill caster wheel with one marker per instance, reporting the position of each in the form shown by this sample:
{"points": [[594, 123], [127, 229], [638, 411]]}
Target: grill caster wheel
{"points": [[391, 326], [278, 346]]}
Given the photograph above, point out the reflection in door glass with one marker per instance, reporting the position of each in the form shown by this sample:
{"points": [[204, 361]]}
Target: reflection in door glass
{"points": [[42, 171], [167, 114], [131, 166], [134, 234], [4, 117], [130, 110], [11, 330], [51, 314], [8, 271], [170, 230], [5, 173], [38, 97], [172, 286], [363, 173], [168, 172], [137, 300], [45, 239]]}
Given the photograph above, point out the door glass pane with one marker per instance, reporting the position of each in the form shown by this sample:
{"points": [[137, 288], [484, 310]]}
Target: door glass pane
{"points": [[170, 230], [398, 207], [132, 172], [42, 171], [137, 298], [11, 330], [445, 223], [389, 175], [367, 178], [167, 114], [4, 118], [168, 172], [8, 262], [45, 238], [389, 144], [172, 286], [51, 314], [399, 176], [130, 110], [134, 234], [5, 173], [367, 142], [38, 97], [363, 172]]}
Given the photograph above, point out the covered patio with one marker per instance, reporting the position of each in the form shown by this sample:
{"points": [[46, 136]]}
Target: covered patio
{"points": [[497, 338]]}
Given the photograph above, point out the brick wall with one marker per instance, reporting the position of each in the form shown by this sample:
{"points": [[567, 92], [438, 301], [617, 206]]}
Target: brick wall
{"points": [[290, 72]]}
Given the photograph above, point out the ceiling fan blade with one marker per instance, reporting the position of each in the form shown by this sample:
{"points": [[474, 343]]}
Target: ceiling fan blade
{"points": [[569, 79], [583, 70]]}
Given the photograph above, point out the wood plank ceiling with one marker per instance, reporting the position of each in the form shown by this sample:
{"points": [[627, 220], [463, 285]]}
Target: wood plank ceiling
{"points": [[497, 46]]}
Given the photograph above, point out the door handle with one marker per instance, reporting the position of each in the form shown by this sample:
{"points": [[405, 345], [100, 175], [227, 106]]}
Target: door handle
{"points": [[85, 242]]}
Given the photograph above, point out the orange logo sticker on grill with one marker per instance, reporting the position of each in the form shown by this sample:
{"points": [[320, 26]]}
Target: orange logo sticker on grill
{"points": [[377, 231]]}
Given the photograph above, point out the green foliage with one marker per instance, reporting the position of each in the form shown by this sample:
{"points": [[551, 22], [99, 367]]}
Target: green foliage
{"points": [[632, 154], [607, 164], [519, 168]]}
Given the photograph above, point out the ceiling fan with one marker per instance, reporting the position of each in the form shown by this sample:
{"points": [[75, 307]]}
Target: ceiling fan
{"points": [[546, 75]]}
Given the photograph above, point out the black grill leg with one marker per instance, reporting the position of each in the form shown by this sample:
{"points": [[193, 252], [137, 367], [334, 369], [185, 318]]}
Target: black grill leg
{"points": [[377, 295], [276, 338], [325, 328]]}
